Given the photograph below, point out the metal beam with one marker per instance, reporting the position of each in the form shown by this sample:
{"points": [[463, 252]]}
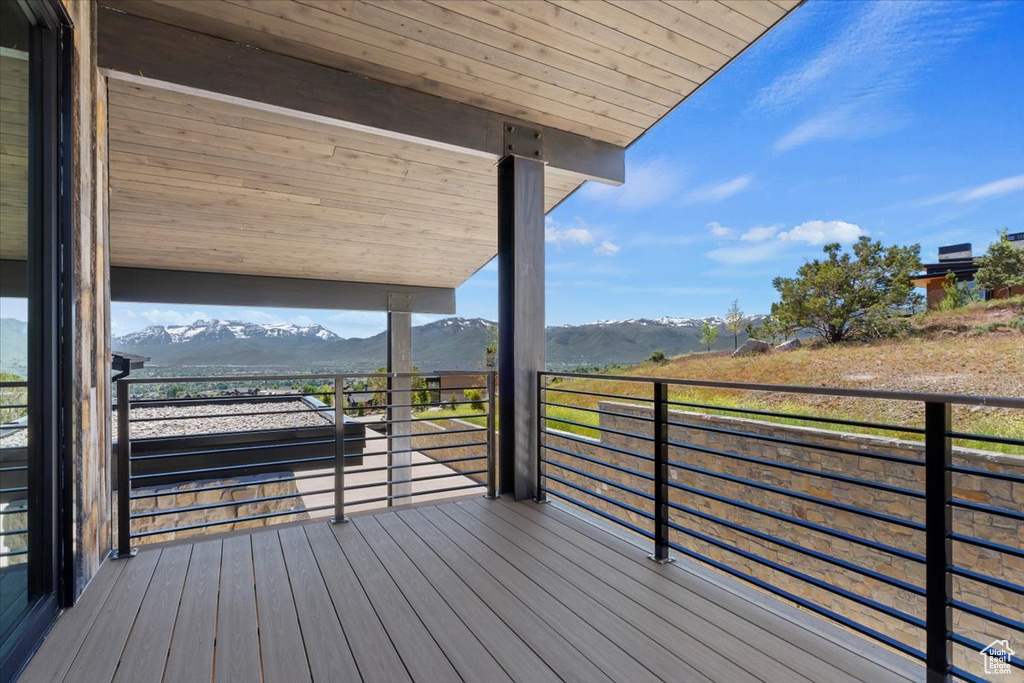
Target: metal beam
{"points": [[141, 50], [520, 320], [400, 395], [227, 289]]}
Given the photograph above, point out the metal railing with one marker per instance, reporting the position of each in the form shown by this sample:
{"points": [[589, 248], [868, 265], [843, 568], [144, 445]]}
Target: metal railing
{"points": [[13, 472], [292, 445], [827, 511]]}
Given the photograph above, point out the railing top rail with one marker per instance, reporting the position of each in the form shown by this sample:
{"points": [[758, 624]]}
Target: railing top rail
{"points": [[310, 376], [960, 399]]}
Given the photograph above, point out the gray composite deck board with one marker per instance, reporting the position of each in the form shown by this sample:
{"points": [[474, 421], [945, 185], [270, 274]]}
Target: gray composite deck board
{"points": [[582, 631], [330, 658], [281, 648], [473, 590], [566, 661], [515, 656], [145, 653], [100, 652], [191, 657], [371, 645], [65, 639], [639, 610], [701, 628], [466, 653], [634, 630], [847, 655], [421, 654], [237, 655]]}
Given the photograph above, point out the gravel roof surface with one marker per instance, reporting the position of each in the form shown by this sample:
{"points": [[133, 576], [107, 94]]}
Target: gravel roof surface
{"points": [[237, 418]]}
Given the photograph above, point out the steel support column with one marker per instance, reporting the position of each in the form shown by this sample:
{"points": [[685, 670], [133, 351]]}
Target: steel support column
{"points": [[520, 320], [399, 413]]}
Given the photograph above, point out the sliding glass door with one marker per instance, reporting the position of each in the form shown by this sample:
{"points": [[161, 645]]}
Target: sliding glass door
{"points": [[32, 130]]}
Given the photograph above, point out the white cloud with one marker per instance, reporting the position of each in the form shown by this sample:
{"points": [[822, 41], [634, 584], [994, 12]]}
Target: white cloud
{"points": [[738, 255], [996, 188], [720, 231], [564, 235], [578, 235], [759, 233], [822, 232], [855, 86], [763, 243], [716, 192], [648, 182], [826, 125]]}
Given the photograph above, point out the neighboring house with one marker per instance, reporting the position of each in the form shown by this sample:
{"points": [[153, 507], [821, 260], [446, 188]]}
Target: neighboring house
{"points": [[445, 388], [959, 260]]}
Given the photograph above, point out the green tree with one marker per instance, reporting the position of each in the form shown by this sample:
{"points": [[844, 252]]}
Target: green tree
{"points": [[734, 322], [379, 386], [958, 294], [657, 357], [476, 399], [491, 347], [850, 296], [708, 333], [1002, 267]]}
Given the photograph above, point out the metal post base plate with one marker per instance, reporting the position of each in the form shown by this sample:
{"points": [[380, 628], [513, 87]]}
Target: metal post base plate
{"points": [[115, 555], [667, 560], [335, 520]]}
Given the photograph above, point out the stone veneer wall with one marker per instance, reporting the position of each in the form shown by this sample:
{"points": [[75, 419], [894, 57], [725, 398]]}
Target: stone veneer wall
{"points": [[89, 437], [981, 525], [256, 487]]}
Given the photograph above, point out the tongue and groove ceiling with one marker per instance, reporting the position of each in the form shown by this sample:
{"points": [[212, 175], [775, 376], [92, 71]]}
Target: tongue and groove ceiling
{"points": [[208, 185]]}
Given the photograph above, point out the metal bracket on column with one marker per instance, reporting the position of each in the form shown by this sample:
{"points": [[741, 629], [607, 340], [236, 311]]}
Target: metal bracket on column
{"points": [[524, 141], [399, 302]]}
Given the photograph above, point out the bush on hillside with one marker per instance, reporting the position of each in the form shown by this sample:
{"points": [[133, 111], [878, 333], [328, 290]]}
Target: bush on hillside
{"points": [[1002, 267], [850, 296]]}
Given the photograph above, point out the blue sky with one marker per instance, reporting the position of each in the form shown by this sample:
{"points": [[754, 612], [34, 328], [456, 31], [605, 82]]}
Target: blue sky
{"points": [[903, 121]]}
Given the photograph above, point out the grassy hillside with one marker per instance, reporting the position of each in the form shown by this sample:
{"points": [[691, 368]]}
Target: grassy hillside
{"points": [[975, 351]]}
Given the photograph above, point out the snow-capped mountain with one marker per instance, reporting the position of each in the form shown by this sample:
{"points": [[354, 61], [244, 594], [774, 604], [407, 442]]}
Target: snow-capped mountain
{"points": [[665, 322], [222, 330], [444, 344]]}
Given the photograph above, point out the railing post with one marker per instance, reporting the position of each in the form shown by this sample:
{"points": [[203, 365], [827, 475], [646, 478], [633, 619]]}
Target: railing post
{"points": [[124, 473], [938, 455], [492, 461], [661, 510], [542, 493], [339, 451]]}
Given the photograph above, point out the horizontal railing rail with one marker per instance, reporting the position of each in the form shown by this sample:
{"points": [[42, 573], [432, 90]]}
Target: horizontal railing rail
{"points": [[226, 457], [14, 499], [890, 528]]}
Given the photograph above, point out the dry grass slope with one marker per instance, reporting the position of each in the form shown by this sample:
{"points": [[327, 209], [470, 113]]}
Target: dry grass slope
{"points": [[977, 351]]}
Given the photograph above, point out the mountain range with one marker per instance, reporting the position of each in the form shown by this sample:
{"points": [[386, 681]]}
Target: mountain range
{"points": [[451, 343], [447, 343]]}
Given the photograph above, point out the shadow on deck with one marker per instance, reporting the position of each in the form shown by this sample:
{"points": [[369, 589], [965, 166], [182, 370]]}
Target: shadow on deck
{"points": [[471, 590]]}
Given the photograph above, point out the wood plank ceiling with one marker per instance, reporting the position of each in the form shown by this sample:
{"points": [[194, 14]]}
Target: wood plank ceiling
{"points": [[203, 185], [13, 155]]}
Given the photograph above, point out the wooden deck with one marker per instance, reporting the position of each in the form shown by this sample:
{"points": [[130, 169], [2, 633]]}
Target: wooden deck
{"points": [[473, 590]]}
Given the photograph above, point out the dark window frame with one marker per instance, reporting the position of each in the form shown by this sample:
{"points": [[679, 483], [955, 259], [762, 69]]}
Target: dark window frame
{"points": [[49, 287]]}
